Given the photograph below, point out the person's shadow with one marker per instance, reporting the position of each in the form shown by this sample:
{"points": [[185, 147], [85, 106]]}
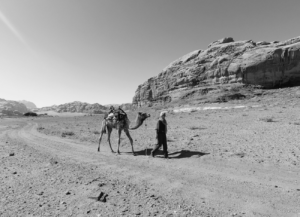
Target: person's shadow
{"points": [[172, 155]]}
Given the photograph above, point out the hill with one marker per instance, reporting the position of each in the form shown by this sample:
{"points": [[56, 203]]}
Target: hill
{"points": [[78, 107], [124, 106], [11, 108], [29, 105]]}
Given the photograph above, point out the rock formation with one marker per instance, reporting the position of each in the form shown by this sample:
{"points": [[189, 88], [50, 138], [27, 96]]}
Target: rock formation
{"points": [[11, 108], [79, 107], [267, 64], [29, 105]]}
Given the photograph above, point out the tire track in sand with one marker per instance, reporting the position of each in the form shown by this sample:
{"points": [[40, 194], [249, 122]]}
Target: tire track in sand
{"points": [[213, 185]]}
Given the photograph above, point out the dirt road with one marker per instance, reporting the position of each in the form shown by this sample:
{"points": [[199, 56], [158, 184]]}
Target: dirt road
{"points": [[43, 175]]}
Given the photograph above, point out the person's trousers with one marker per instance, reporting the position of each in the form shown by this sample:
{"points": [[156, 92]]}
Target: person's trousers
{"points": [[161, 141]]}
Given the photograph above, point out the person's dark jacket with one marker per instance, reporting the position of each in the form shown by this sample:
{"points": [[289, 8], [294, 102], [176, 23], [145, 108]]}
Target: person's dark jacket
{"points": [[161, 127]]}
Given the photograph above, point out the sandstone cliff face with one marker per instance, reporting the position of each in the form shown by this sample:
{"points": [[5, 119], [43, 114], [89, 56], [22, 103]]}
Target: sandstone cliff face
{"points": [[11, 108], [268, 64], [79, 107]]}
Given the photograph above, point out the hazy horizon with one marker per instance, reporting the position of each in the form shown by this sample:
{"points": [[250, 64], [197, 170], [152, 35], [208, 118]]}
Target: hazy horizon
{"points": [[99, 51]]}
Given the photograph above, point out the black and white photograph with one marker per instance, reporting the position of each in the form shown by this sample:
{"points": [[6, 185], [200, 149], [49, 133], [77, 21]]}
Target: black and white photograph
{"points": [[167, 108]]}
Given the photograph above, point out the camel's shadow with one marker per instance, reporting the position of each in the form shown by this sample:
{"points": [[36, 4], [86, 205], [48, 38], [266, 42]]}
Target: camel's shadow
{"points": [[172, 155]]}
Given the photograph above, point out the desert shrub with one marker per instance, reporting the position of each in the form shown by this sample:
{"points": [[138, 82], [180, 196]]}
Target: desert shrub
{"points": [[267, 119], [240, 154], [195, 128], [40, 128], [230, 96], [67, 133], [30, 114]]}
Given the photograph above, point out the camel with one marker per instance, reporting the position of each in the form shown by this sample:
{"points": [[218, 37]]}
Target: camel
{"points": [[109, 125]]}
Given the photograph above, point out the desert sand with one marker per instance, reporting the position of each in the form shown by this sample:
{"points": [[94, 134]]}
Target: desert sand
{"points": [[240, 158]]}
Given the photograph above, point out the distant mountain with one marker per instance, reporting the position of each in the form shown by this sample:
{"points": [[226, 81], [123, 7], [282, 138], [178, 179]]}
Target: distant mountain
{"points": [[124, 106], [12, 108], [78, 107], [29, 105]]}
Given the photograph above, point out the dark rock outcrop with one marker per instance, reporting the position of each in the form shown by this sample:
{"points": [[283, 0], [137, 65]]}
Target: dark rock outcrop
{"points": [[267, 64]]}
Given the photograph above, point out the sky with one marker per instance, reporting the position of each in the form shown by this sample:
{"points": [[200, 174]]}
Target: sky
{"points": [[99, 51]]}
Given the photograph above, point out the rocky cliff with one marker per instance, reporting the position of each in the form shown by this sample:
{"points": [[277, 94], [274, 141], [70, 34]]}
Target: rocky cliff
{"points": [[11, 108], [80, 107], [224, 62]]}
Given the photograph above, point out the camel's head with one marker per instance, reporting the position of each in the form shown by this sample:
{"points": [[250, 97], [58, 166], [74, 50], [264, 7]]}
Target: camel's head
{"points": [[141, 117]]}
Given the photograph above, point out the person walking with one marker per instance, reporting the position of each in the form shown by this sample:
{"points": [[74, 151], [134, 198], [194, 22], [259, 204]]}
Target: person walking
{"points": [[161, 135]]}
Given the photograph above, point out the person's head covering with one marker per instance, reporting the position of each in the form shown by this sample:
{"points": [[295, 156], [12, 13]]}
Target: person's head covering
{"points": [[162, 114]]}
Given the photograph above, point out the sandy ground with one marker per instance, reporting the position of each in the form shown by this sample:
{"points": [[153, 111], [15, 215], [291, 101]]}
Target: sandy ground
{"points": [[236, 161]]}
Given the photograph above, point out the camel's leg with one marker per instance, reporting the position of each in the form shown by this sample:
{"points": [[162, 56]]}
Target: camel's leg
{"points": [[103, 127], [101, 134], [119, 140], [109, 129], [130, 139]]}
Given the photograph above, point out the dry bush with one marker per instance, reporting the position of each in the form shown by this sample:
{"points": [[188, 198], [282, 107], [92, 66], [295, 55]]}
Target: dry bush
{"points": [[196, 128], [67, 133], [267, 119], [241, 154]]}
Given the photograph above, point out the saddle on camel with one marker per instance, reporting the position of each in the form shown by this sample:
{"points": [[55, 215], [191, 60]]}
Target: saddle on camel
{"points": [[117, 116], [117, 119]]}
